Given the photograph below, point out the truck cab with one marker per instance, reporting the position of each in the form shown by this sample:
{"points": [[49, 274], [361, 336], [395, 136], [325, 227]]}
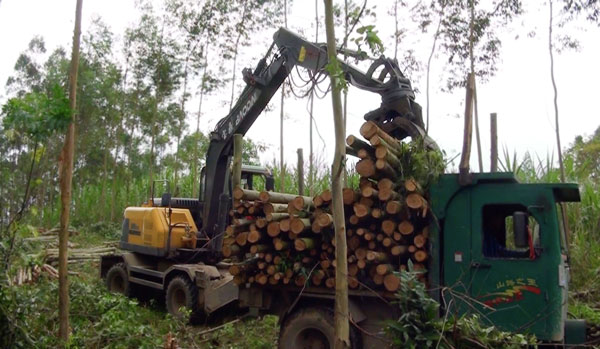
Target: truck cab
{"points": [[503, 254]]}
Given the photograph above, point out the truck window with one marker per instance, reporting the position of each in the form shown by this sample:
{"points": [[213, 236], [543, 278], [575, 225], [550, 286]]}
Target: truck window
{"points": [[498, 232]]}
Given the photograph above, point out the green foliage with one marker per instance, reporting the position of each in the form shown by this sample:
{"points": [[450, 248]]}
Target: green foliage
{"points": [[369, 36], [419, 326], [421, 163], [37, 115]]}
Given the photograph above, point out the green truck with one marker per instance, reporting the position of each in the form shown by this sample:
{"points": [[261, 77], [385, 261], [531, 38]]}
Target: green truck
{"points": [[497, 247]]}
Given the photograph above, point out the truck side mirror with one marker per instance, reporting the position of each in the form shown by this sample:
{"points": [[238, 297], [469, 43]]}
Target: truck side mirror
{"points": [[165, 200], [270, 183], [520, 229]]}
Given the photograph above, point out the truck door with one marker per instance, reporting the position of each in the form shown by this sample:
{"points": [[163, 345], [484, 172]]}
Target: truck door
{"points": [[513, 283]]}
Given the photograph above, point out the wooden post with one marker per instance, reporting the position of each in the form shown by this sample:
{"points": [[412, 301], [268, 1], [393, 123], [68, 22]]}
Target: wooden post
{"points": [[494, 140], [341, 313], [66, 179], [236, 167], [464, 177], [300, 172]]}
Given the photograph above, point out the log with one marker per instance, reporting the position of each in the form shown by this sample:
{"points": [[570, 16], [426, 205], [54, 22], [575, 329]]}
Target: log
{"points": [[354, 220], [386, 183], [261, 279], [361, 210], [254, 236], [406, 227], [271, 269], [302, 244], [300, 280], [315, 227], [274, 208], [281, 245], [378, 279], [377, 213], [411, 185], [318, 200], [353, 282], [245, 194], [388, 226], [369, 192], [358, 145], [384, 153], [376, 256], [302, 203], [366, 168], [386, 194], [298, 225], [369, 236], [393, 207], [420, 256], [284, 225], [271, 217], [349, 196], [369, 129], [324, 220], [367, 201], [391, 282], [361, 263], [387, 242], [415, 201], [385, 169], [261, 223], [277, 198], [330, 282], [353, 243], [259, 248], [384, 269], [352, 269], [412, 249], [326, 196], [399, 250], [242, 238], [273, 229], [360, 253], [419, 241]]}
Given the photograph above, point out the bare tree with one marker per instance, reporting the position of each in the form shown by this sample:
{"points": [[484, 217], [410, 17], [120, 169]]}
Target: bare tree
{"points": [[342, 327], [281, 115], [66, 179]]}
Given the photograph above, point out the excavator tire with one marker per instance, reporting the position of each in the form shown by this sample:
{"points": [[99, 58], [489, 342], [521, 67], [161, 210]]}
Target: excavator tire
{"points": [[312, 328], [117, 280], [182, 293]]}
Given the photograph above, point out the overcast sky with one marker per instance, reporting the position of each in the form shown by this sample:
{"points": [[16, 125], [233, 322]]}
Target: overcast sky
{"points": [[520, 92]]}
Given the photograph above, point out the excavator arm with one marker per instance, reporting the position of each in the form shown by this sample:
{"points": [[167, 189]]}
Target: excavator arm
{"points": [[398, 113]]}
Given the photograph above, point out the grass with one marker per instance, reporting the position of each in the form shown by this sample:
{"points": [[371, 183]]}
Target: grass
{"points": [[100, 319]]}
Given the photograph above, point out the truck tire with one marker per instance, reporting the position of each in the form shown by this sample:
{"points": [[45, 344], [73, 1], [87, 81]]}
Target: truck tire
{"points": [[117, 280], [181, 292], [312, 328]]}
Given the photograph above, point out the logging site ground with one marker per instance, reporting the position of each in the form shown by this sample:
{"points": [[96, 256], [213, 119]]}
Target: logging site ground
{"points": [[299, 174]]}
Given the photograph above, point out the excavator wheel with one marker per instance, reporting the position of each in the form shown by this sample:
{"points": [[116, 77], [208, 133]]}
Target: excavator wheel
{"points": [[312, 328], [182, 293], [117, 280]]}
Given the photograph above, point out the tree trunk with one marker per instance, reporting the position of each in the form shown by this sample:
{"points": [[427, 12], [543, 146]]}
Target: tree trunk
{"points": [[195, 169], [66, 178], [311, 169], [465, 157], [471, 55], [563, 207], [494, 142], [151, 161], [102, 202], [113, 190], [342, 328], [281, 115]]}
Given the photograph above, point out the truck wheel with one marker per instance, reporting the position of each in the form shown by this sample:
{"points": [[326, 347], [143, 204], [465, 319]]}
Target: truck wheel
{"points": [[312, 328], [117, 280], [182, 293]]}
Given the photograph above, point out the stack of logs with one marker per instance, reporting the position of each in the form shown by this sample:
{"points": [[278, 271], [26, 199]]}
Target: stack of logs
{"points": [[278, 238]]}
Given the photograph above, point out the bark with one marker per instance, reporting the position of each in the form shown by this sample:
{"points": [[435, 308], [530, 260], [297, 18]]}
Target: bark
{"points": [[494, 142], [342, 329], [66, 178], [195, 167], [113, 191], [556, 119], [472, 57]]}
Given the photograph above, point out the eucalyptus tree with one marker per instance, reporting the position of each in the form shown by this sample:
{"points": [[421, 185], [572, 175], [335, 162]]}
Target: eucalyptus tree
{"points": [[156, 71], [468, 34]]}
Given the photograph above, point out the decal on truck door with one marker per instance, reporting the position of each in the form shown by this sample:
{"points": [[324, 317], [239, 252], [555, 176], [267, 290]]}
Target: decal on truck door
{"points": [[510, 291]]}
